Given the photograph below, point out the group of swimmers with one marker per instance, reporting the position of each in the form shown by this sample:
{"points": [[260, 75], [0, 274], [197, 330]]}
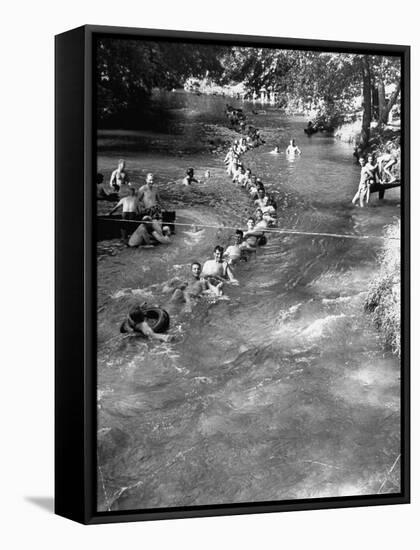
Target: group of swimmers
{"points": [[374, 172], [210, 277]]}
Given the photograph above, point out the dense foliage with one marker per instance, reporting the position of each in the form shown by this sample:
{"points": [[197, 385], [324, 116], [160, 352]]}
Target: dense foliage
{"points": [[333, 85], [128, 70], [384, 296]]}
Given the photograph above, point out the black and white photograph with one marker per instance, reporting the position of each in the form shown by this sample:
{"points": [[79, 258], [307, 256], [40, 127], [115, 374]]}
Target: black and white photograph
{"points": [[248, 202]]}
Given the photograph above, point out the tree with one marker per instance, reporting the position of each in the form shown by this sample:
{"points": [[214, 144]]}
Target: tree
{"points": [[128, 70]]}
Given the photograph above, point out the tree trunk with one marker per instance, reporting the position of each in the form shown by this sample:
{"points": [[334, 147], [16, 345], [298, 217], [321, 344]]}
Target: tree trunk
{"points": [[367, 103], [382, 102], [384, 114]]}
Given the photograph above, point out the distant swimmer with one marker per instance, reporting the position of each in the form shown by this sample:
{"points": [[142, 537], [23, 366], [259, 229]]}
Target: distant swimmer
{"points": [[218, 268], [293, 149], [189, 177], [129, 204], [275, 151], [149, 195], [119, 176]]}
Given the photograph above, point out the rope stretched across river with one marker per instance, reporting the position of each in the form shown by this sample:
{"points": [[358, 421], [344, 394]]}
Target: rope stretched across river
{"points": [[286, 231]]}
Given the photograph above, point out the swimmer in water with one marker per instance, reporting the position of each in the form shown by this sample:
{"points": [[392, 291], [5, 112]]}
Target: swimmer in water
{"points": [[293, 149], [195, 287], [189, 178], [275, 151], [136, 322], [234, 253], [218, 268]]}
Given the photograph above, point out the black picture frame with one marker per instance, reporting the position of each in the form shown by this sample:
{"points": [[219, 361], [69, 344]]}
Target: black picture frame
{"points": [[75, 276]]}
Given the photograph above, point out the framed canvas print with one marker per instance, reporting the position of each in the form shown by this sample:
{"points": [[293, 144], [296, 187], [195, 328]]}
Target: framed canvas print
{"points": [[232, 274]]}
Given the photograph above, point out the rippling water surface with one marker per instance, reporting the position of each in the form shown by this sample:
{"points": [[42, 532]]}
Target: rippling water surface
{"points": [[282, 389]]}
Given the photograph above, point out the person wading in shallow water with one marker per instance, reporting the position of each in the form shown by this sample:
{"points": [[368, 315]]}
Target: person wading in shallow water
{"points": [[149, 195], [293, 149], [130, 206], [119, 176]]}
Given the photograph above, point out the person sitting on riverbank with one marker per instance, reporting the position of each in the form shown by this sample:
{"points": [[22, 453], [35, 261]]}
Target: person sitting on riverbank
{"points": [[292, 149], [189, 177], [150, 232], [234, 253], [217, 268], [363, 191], [385, 163], [193, 288], [129, 204], [372, 168], [119, 176], [149, 195], [136, 323]]}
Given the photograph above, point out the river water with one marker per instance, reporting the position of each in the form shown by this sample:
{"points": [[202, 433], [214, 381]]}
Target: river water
{"points": [[281, 390]]}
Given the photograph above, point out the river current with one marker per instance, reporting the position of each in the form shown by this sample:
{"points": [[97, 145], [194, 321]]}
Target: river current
{"points": [[280, 390]]}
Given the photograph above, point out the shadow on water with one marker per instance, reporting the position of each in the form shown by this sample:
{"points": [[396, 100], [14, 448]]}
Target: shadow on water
{"points": [[281, 389]]}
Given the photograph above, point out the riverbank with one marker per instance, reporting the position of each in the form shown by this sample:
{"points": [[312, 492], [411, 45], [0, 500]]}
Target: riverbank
{"points": [[384, 297]]}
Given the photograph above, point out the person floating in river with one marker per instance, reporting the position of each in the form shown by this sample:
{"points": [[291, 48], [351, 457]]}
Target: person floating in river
{"points": [[129, 204], [363, 191], [292, 149], [136, 322], [275, 151], [218, 269], [119, 176], [189, 177], [195, 287]]}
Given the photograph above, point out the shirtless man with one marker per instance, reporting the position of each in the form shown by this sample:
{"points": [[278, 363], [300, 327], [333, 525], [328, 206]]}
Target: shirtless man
{"points": [[262, 200], [150, 232], [234, 253], [119, 176], [385, 163], [195, 287], [149, 195], [293, 149], [217, 268], [129, 205]]}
